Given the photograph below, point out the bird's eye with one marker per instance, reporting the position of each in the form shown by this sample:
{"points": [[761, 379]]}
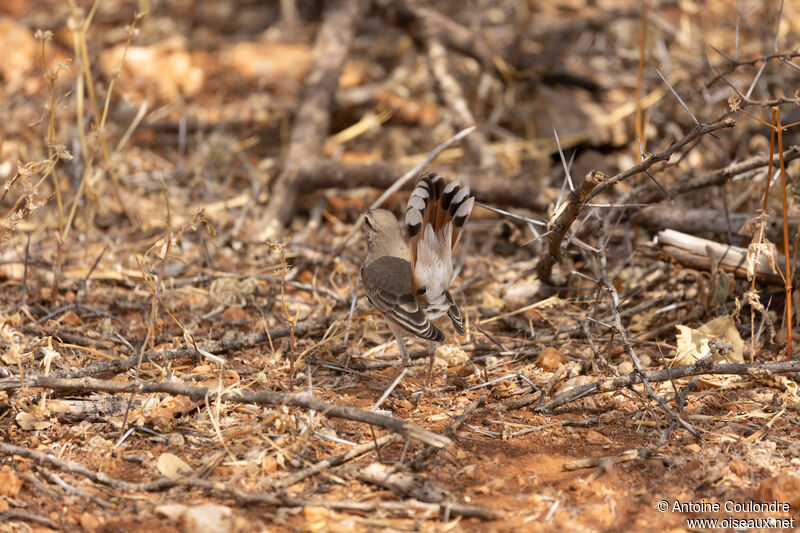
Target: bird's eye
{"points": [[369, 224]]}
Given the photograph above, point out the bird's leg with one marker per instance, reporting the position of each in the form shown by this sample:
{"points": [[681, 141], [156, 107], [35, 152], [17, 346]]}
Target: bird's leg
{"points": [[401, 343], [432, 357]]}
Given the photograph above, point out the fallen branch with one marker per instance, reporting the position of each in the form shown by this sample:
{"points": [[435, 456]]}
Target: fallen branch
{"points": [[402, 483], [705, 254], [282, 499], [303, 399], [325, 173], [417, 487], [79, 469], [697, 220], [423, 22], [336, 460], [451, 94], [10, 516], [313, 112], [434, 33], [278, 499], [697, 369], [449, 431]]}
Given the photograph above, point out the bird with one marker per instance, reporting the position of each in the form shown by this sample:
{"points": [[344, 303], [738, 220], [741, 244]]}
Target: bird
{"points": [[408, 268]]}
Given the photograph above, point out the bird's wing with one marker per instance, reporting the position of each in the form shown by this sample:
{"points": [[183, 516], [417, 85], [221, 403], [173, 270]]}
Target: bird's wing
{"points": [[387, 282]]}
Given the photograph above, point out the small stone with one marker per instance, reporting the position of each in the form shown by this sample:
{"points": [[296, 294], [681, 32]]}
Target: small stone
{"points": [[269, 464], [208, 518], [316, 517], [571, 383], [550, 358], [595, 437], [89, 521], [625, 367], [234, 314]]}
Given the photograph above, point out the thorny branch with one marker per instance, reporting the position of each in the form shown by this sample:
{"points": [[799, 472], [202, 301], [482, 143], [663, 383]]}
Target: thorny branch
{"points": [[563, 219], [696, 133]]}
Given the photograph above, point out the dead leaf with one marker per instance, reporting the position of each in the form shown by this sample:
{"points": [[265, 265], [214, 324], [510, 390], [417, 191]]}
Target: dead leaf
{"points": [[29, 422], [696, 344], [169, 408], [70, 318]]}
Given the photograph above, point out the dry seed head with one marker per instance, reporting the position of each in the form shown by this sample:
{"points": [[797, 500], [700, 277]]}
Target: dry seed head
{"points": [[734, 101], [43, 35], [757, 249]]}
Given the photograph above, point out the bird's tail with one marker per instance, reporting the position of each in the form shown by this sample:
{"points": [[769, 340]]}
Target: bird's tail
{"points": [[435, 216], [436, 202]]}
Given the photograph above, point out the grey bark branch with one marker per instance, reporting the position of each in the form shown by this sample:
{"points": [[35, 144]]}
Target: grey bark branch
{"points": [[312, 122], [304, 400]]}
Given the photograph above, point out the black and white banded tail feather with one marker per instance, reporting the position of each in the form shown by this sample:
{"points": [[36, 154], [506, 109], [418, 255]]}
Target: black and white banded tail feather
{"points": [[436, 213], [454, 314], [436, 202]]}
